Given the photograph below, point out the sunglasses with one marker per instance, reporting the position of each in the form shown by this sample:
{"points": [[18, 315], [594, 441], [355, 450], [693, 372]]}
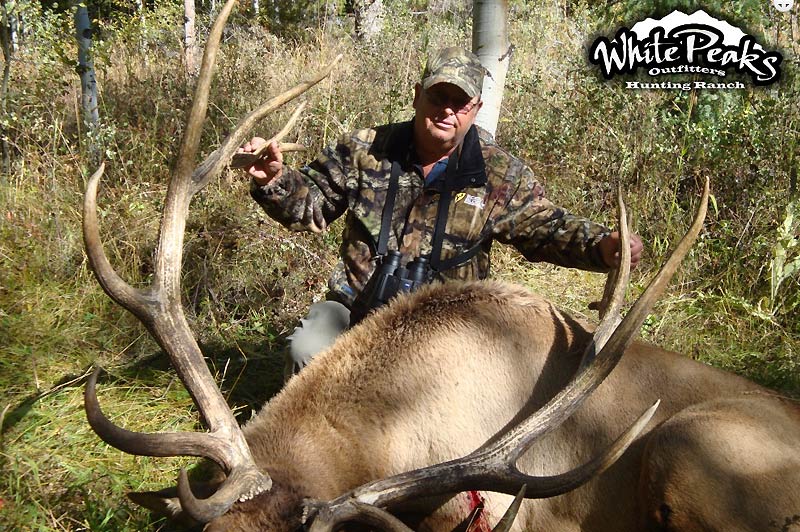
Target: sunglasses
{"points": [[459, 106]]}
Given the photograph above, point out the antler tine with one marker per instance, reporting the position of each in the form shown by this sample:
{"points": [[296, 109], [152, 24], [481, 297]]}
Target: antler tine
{"points": [[143, 444], [326, 519], [622, 274], [243, 160], [614, 291], [505, 523], [493, 467], [160, 309], [136, 301], [197, 114], [214, 163], [277, 137], [623, 334]]}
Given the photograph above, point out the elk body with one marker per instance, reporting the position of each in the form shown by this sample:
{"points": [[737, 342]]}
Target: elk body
{"points": [[446, 391], [441, 373]]}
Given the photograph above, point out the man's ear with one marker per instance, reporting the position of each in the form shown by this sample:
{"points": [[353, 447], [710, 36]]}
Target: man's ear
{"points": [[417, 95]]}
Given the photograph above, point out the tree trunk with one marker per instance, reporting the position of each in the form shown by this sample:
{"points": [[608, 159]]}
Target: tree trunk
{"points": [[256, 7], [490, 44], [189, 38], [13, 28], [6, 42], [89, 104], [369, 15], [142, 27]]}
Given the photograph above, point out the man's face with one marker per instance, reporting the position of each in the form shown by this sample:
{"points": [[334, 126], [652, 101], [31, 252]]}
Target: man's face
{"points": [[444, 114]]}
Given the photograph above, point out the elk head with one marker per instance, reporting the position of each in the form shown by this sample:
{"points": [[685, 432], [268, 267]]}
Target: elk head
{"points": [[491, 467]]}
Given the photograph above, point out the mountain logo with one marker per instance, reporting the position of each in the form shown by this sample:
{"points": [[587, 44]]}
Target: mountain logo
{"points": [[680, 44], [783, 5]]}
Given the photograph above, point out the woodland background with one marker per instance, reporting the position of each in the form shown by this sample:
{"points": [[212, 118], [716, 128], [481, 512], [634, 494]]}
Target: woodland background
{"points": [[247, 280]]}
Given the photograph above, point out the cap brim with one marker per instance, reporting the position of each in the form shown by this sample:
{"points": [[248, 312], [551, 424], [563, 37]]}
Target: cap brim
{"points": [[468, 89]]}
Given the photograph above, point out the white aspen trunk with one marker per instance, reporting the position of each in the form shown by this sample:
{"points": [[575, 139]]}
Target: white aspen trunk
{"points": [[13, 30], [369, 16], [490, 44], [189, 38], [91, 113], [330, 12], [5, 40], [142, 25], [256, 7]]}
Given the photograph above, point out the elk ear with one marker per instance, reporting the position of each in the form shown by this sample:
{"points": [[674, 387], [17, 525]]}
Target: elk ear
{"points": [[165, 502]]}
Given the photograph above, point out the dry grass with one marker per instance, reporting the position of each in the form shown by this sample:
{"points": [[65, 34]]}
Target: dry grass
{"points": [[247, 280]]}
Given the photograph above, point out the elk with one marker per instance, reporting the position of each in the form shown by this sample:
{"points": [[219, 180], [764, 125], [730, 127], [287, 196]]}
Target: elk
{"points": [[444, 392]]}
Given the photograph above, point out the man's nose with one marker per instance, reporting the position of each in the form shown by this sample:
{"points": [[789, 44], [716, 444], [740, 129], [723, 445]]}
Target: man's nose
{"points": [[447, 108]]}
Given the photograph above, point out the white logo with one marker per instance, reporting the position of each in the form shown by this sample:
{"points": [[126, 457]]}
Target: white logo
{"points": [[686, 44], [783, 5], [475, 201]]}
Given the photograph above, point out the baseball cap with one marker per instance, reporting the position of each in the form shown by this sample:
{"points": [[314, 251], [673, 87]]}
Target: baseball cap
{"points": [[454, 65]]}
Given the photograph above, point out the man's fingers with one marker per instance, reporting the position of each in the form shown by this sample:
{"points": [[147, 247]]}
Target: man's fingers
{"points": [[274, 152], [636, 247], [636, 250], [252, 145], [257, 171]]}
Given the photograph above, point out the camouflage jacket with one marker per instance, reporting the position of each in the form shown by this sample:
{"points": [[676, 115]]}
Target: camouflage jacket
{"points": [[495, 197]]}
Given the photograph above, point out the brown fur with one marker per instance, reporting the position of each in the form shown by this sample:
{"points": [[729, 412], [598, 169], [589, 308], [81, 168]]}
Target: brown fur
{"points": [[441, 372]]}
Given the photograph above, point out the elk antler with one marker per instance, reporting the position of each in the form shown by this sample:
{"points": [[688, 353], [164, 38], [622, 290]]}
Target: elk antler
{"points": [[327, 518], [614, 290], [159, 307], [493, 467], [243, 160]]}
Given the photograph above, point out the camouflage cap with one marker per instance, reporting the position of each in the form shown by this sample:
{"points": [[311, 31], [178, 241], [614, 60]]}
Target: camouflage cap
{"points": [[457, 66]]}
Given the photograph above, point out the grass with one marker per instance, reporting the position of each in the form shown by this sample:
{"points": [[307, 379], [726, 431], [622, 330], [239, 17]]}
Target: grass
{"points": [[246, 280]]}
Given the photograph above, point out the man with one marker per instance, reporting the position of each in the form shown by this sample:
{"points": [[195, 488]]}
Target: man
{"points": [[434, 187]]}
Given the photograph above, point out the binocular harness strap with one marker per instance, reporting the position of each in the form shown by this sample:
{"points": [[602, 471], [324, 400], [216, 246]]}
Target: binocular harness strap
{"points": [[439, 228], [436, 262], [388, 209]]}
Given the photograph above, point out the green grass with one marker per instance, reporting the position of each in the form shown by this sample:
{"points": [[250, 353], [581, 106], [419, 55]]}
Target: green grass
{"points": [[246, 280]]}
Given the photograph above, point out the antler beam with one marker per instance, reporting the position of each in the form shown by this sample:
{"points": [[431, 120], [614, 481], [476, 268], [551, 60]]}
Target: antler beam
{"points": [[493, 467], [160, 309]]}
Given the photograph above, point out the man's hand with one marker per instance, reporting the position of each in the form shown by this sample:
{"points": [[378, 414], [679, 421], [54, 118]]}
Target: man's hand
{"points": [[609, 250], [267, 169]]}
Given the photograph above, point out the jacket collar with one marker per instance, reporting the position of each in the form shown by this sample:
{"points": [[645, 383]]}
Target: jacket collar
{"points": [[471, 169], [398, 144]]}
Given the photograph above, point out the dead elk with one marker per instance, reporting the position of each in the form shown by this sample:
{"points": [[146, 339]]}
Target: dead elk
{"points": [[444, 392]]}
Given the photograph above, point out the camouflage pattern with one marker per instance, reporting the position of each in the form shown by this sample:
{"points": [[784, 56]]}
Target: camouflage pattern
{"points": [[353, 178], [457, 66]]}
